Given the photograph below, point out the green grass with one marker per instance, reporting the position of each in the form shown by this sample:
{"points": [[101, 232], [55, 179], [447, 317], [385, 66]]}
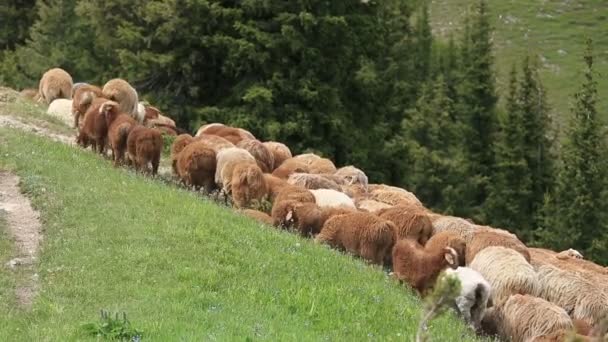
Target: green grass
{"points": [[553, 30], [181, 267], [30, 112]]}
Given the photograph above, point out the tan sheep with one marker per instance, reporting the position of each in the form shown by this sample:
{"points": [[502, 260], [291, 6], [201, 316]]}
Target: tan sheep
{"points": [[362, 234], [411, 224], [56, 83], [215, 142], [264, 158], [458, 225], [356, 191], [392, 195], [332, 198], [227, 160], [195, 165], [257, 215], [307, 158], [279, 151], [448, 239], [322, 166], [576, 294], [294, 193], [507, 271], [290, 166], [371, 205], [312, 181], [248, 185], [119, 90], [524, 318], [232, 134], [483, 239], [30, 93], [418, 266], [350, 175], [82, 99]]}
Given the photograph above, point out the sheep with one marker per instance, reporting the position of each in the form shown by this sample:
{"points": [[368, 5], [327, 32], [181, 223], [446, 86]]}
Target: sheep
{"points": [[484, 239], [569, 253], [312, 181], [570, 263], [274, 186], [30, 93], [77, 85], [119, 125], [144, 146], [294, 193], [523, 318], [362, 234], [575, 293], [120, 91], [356, 191], [195, 165], [82, 97], [448, 239], [180, 142], [371, 205], [227, 159], [418, 266], [411, 224], [473, 297], [507, 271], [215, 142], [322, 165], [351, 175], [232, 134], [248, 185], [257, 215], [61, 109], [393, 195], [307, 218], [55, 83], [307, 158], [264, 158], [94, 128], [332, 198], [279, 151], [290, 166], [456, 224]]}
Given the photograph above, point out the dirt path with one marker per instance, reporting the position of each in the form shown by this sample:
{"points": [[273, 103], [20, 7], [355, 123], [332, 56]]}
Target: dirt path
{"points": [[9, 121], [25, 229]]}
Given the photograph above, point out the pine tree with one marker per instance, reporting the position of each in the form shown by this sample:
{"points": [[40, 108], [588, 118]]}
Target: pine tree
{"points": [[508, 203], [575, 214], [476, 105], [17, 17]]}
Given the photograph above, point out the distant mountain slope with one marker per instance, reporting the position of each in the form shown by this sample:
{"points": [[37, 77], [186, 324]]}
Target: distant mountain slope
{"points": [[553, 30]]}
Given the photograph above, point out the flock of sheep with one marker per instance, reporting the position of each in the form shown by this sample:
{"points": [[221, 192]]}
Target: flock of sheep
{"points": [[508, 289]]}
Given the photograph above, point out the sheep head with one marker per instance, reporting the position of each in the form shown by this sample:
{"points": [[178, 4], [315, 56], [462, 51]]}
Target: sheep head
{"points": [[451, 257], [109, 110]]}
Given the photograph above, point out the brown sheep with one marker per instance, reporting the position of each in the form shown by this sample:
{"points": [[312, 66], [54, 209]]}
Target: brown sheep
{"points": [[290, 166], [483, 239], [82, 98], [94, 128], [125, 95], [232, 134], [418, 266], [411, 224], [195, 166], [144, 146], [294, 193], [362, 234], [448, 239], [56, 83], [275, 185], [263, 157], [258, 216], [306, 218], [119, 126], [180, 142], [312, 181], [279, 151], [322, 165], [523, 318], [248, 185]]}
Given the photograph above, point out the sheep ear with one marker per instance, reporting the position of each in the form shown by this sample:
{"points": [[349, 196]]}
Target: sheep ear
{"points": [[451, 257], [289, 215]]}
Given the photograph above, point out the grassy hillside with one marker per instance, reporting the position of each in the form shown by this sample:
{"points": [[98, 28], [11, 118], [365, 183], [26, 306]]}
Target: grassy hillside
{"points": [[183, 268], [552, 30]]}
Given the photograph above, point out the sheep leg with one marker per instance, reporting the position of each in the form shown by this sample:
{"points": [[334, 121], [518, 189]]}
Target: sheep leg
{"points": [[155, 163], [76, 119]]}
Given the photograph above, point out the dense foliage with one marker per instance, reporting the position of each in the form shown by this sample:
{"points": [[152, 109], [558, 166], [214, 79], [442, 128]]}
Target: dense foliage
{"points": [[361, 82]]}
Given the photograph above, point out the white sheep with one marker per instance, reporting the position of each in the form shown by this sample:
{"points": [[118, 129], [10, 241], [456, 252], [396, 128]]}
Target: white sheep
{"points": [[350, 175], [61, 108], [227, 160], [474, 294], [332, 198]]}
